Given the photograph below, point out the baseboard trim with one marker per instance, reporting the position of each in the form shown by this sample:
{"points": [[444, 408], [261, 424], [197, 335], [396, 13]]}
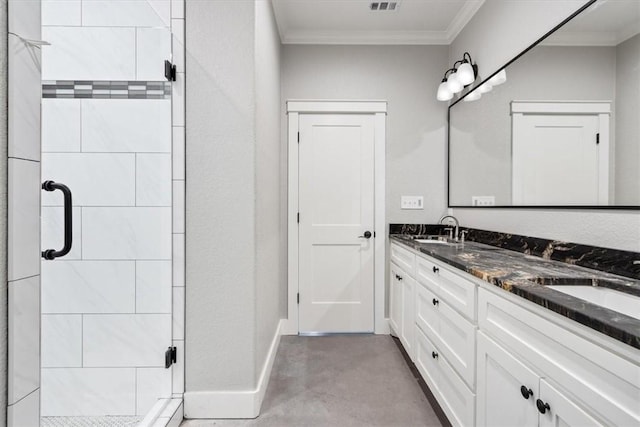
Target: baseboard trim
{"points": [[233, 404], [382, 327], [289, 327]]}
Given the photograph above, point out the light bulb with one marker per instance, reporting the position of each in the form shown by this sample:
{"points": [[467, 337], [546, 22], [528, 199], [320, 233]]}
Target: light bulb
{"points": [[465, 74], [485, 87], [453, 83], [472, 96], [444, 94], [499, 78]]}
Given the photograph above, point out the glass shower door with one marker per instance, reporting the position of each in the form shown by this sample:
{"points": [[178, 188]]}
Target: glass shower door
{"points": [[106, 135]]}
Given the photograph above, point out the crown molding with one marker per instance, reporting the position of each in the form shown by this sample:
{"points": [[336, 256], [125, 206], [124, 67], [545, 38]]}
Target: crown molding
{"points": [[366, 37], [381, 37], [278, 15], [586, 38], [462, 18]]}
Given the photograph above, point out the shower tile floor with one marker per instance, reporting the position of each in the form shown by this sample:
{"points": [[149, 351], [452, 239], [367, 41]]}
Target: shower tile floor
{"points": [[105, 421]]}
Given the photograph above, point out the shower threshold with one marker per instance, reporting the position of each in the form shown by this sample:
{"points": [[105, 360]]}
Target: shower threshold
{"points": [[104, 421]]}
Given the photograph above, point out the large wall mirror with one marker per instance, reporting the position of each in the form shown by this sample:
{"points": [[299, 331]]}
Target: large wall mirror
{"points": [[558, 126]]}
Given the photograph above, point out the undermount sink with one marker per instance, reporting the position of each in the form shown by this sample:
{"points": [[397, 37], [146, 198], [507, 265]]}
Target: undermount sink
{"points": [[433, 241], [612, 299]]}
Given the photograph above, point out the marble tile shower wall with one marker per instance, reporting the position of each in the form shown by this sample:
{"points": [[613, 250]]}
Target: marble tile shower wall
{"points": [[107, 307]]}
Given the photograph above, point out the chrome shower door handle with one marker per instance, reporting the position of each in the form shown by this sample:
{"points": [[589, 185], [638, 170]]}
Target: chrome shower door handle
{"points": [[68, 220]]}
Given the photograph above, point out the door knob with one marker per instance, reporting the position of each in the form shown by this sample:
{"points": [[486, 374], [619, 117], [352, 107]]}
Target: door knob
{"points": [[367, 235]]}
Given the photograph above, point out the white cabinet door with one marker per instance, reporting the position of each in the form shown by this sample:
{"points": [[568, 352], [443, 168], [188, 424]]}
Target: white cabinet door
{"points": [[562, 411], [408, 314], [395, 300], [500, 397]]}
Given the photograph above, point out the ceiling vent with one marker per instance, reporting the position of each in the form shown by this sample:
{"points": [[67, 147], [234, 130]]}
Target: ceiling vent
{"points": [[384, 6]]}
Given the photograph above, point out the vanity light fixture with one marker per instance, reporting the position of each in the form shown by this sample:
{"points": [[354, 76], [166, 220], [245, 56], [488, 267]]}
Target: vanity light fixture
{"points": [[499, 78], [473, 96], [485, 87], [444, 93], [462, 74], [453, 83]]}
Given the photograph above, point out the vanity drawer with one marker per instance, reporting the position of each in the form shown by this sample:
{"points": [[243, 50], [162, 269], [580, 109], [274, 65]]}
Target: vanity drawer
{"points": [[456, 399], [404, 258], [458, 342], [458, 292], [427, 316], [454, 335]]}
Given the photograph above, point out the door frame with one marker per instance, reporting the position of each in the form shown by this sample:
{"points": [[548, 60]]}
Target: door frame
{"points": [[602, 109], [379, 110]]}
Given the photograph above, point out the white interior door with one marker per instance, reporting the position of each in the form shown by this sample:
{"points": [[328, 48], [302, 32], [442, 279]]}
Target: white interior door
{"points": [[336, 204], [556, 160]]}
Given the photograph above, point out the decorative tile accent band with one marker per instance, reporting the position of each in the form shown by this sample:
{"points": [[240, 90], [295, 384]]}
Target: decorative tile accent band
{"points": [[104, 89]]}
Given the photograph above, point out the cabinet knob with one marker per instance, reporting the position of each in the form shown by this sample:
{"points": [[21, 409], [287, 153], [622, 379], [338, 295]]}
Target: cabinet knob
{"points": [[526, 392], [435, 301], [434, 354], [542, 406], [399, 277], [435, 269]]}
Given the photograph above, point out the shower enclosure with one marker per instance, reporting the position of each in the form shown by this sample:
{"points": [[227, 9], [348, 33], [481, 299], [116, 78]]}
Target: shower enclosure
{"points": [[96, 200]]}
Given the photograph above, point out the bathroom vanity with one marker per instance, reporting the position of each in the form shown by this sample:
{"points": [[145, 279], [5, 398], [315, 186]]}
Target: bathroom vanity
{"points": [[508, 338]]}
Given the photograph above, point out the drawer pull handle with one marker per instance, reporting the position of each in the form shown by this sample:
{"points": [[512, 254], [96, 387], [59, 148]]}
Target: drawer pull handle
{"points": [[435, 301], [436, 269], [526, 392], [542, 406], [434, 354]]}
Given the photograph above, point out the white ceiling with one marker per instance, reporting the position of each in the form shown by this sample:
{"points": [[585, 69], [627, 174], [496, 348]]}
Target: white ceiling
{"points": [[605, 23], [353, 22]]}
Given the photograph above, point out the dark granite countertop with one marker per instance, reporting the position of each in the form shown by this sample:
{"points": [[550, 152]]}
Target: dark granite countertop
{"points": [[527, 276]]}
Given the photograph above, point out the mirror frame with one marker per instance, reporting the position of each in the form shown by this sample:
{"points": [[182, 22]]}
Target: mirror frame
{"points": [[534, 44]]}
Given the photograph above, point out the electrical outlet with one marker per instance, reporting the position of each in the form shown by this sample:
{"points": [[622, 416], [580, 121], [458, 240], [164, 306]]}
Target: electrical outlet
{"points": [[411, 202], [483, 201]]}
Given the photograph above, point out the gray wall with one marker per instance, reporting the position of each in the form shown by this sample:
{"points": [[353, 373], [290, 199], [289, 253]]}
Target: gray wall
{"points": [[269, 283], [3, 212], [627, 125], [405, 76], [233, 281], [220, 196], [500, 30], [481, 130]]}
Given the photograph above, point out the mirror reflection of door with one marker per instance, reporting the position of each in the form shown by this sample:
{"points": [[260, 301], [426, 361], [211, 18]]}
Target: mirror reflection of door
{"points": [[560, 153]]}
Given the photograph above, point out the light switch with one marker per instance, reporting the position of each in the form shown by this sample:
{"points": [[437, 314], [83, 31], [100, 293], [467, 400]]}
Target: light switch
{"points": [[411, 202], [483, 201]]}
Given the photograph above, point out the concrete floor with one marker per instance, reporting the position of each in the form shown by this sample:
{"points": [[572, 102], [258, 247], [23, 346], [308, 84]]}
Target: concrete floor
{"points": [[344, 380]]}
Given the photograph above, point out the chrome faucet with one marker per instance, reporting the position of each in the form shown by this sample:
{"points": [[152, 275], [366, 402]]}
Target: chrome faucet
{"points": [[456, 234]]}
